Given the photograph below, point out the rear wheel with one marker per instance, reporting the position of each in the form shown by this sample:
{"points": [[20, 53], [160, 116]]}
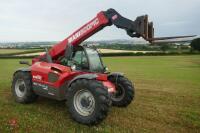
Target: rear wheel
{"points": [[88, 101], [22, 87], [124, 91]]}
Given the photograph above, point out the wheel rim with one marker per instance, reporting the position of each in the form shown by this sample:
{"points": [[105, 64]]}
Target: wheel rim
{"points": [[20, 88], [120, 93], [84, 102]]}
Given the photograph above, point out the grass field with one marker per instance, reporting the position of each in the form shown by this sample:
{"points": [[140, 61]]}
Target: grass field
{"points": [[9, 51], [18, 51], [101, 50], [167, 99]]}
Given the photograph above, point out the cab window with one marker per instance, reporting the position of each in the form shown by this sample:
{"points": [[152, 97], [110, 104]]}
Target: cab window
{"points": [[80, 60]]}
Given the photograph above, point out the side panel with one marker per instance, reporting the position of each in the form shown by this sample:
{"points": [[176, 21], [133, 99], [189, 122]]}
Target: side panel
{"points": [[50, 74], [50, 80], [49, 91]]}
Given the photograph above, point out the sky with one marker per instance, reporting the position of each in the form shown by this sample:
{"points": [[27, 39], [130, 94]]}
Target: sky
{"points": [[54, 20]]}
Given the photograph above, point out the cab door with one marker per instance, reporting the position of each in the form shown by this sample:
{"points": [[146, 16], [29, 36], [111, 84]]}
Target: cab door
{"points": [[80, 60]]}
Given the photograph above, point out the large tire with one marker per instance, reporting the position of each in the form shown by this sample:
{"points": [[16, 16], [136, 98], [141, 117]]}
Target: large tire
{"points": [[125, 91], [22, 88], [93, 101]]}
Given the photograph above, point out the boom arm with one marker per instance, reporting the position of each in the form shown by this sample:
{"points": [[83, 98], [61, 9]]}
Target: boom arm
{"points": [[137, 28]]}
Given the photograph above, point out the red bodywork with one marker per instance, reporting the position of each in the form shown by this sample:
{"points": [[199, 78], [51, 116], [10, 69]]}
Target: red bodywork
{"points": [[41, 70]]}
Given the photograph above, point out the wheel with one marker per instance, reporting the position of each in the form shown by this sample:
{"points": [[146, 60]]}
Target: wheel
{"points": [[88, 101], [22, 88], [124, 91]]}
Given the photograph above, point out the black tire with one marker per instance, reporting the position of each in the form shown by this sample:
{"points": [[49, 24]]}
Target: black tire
{"points": [[27, 95], [100, 95], [125, 91]]}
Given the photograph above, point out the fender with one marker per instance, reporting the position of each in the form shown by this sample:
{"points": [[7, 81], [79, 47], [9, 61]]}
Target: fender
{"points": [[116, 74], [83, 76], [24, 69]]}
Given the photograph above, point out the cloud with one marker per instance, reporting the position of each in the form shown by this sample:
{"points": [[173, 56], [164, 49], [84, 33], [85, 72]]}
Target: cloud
{"points": [[44, 20]]}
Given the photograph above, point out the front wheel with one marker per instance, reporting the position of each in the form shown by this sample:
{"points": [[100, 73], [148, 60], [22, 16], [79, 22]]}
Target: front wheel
{"points": [[88, 101], [124, 91], [22, 88]]}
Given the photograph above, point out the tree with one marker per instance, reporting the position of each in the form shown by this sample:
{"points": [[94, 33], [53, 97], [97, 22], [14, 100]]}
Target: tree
{"points": [[195, 44], [164, 47]]}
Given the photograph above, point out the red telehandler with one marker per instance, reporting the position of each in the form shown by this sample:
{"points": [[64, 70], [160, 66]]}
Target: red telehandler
{"points": [[75, 73]]}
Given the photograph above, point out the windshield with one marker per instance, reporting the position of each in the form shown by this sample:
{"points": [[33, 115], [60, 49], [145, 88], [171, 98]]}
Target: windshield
{"points": [[94, 60]]}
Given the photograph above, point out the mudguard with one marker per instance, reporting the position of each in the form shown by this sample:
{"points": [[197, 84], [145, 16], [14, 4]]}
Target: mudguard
{"points": [[24, 69], [83, 76], [115, 74]]}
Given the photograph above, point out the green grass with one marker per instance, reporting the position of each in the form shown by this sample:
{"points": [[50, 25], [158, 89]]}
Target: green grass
{"points": [[9, 51], [167, 99], [4, 52]]}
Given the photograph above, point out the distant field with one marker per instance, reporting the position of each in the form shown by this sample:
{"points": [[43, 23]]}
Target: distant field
{"points": [[121, 51], [34, 52], [18, 51], [167, 99], [9, 51]]}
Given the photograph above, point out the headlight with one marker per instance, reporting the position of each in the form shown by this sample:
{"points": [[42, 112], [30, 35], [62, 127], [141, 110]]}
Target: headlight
{"points": [[111, 89], [73, 67]]}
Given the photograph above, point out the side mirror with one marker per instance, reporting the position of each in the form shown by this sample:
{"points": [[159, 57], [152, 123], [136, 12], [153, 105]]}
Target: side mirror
{"points": [[24, 62], [106, 69], [73, 67]]}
